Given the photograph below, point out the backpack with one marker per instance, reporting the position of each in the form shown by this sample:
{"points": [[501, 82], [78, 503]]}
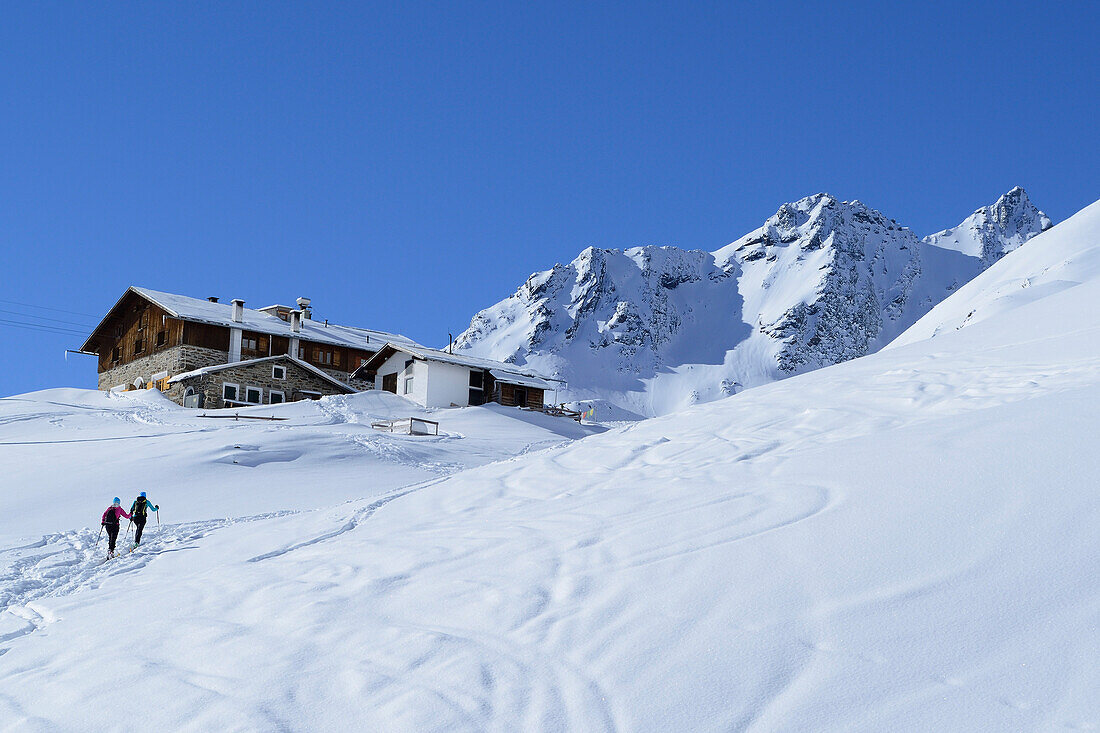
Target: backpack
{"points": [[112, 516], [139, 507]]}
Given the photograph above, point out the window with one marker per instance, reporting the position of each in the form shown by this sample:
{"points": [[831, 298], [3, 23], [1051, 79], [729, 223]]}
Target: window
{"points": [[278, 372], [301, 352], [143, 323], [477, 387], [229, 392], [408, 385], [253, 395], [116, 354], [248, 343], [277, 398], [162, 337], [321, 356], [139, 346]]}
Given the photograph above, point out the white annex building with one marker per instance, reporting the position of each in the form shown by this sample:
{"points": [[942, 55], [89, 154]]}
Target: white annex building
{"points": [[434, 378]]}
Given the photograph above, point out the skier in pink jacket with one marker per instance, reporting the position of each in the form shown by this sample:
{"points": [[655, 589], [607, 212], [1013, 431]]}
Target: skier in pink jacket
{"points": [[111, 522]]}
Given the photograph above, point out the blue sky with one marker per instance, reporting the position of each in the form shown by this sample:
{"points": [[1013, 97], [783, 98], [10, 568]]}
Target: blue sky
{"points": [[407, 164]]}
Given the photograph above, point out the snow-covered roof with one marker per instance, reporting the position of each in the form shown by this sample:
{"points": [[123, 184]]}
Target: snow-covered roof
{"points": [[520, 380], [513, 372], [221, 314], [248, 362]]}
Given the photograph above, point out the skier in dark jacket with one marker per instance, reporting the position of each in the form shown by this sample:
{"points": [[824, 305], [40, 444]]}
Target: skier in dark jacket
{"points": [[139, 513], [110, 523]]}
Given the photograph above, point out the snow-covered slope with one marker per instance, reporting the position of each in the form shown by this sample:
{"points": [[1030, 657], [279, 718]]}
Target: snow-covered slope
{"points": [[905, 541], [993, 231], [202, 467], [1064, 257], [610, 321], [654, 329]]}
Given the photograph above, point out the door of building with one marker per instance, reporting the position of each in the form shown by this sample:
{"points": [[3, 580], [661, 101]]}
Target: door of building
{"points": [[389, 382]]}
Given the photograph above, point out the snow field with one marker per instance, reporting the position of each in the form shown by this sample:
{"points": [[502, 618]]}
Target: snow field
{"points": [[67, 452], [905, 541]]}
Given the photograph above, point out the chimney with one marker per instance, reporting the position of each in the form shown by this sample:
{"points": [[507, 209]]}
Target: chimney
{"points": [[213, 299], [296, 321], [303, 304], [238, 310]]}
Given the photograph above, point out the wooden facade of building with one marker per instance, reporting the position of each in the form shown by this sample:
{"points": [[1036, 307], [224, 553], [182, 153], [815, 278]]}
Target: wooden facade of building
{"points": [[516, 396], [141, 342]]}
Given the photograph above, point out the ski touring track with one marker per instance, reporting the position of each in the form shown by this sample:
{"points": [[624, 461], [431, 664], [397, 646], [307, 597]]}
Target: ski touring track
{"points": [[64, 563], [359, 516]]}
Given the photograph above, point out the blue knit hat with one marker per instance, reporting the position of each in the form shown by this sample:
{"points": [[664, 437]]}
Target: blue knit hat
{"points": [[142, 495], [117, 500]]}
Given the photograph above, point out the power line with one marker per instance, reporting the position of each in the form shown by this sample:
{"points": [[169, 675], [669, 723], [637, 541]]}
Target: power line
{"points": [[44, 318], [46, 308], [43, 327]]}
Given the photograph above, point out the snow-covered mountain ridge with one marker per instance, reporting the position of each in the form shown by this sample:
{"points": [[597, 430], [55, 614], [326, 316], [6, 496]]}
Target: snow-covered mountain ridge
{"points": [[652, 329]]}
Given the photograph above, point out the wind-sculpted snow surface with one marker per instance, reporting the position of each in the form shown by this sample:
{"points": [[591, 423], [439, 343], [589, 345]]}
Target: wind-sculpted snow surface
{"points": [[655, 329], [903, 542]]}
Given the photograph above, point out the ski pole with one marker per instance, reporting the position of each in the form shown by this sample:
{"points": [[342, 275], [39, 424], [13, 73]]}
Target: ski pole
{"points": [[97, 539]]}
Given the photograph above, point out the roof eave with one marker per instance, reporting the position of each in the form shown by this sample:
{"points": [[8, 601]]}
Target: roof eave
{"points": [[369, 364], [131, 289]]}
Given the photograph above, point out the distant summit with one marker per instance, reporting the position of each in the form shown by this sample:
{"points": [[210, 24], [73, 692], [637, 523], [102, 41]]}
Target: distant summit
{"points": [[825, 281], [653, 329], [993, 231]]}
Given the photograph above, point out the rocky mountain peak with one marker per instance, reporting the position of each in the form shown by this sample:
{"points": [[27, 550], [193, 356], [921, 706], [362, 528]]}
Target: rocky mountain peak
{"points": [[993, 231]]}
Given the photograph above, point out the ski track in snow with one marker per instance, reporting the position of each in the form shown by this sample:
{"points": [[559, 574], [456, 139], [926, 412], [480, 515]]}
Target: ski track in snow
{"points": [[359, 516], [67, 562]]}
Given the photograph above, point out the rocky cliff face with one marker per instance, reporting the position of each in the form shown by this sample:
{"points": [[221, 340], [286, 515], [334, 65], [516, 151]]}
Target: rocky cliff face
{"points": [[652, 329], [827, 281], [614, 317], [993, 231]]}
